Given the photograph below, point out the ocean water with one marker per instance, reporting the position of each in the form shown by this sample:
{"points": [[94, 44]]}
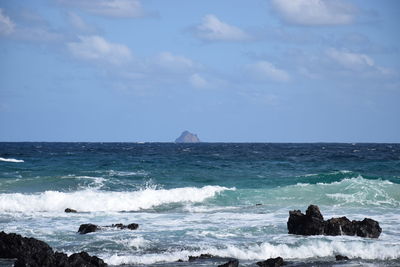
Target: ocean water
{"points": [[229, 200]]}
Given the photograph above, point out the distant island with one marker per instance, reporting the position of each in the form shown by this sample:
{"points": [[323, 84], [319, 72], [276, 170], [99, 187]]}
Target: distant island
{"points": [[187, 137]]}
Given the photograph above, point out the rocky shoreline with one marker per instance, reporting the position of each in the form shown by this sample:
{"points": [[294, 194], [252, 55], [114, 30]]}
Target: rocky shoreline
{"points": [[30, 252]]}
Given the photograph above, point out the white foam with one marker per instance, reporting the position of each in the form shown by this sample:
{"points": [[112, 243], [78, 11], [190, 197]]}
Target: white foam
{"points": [[348, 191], [313, 248], [95, 200], [127, 173], [11, 160]]}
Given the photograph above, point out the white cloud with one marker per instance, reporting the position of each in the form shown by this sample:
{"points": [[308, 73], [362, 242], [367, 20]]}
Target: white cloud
{"points": [[96, 48], [315, 12], [171, 62], [109, 8], [6, 24], [265, 70], [353, 61], [196, 80], [213, 29], [78, 23]]}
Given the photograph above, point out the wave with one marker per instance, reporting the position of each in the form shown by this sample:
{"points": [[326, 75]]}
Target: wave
{"points": [[314, 248], [11, 160], [91, 200], [356, 191]]}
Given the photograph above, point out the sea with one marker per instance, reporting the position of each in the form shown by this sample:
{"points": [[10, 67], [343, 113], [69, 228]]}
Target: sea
{"points": [[230, 200]]}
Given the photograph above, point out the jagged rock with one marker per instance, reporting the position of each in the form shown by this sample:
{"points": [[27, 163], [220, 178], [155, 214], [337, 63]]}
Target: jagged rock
{"points": [[312, 223], [368, 228], [31, 252], [339, 226], [68, 210], [88, 228], [187, 137], [201, 257], [132, 226], [272, 262], [231, 263], [341, 258]]}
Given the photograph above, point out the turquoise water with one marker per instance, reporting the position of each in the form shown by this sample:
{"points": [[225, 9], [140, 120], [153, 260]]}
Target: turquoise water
{"points": [[229, 200]]}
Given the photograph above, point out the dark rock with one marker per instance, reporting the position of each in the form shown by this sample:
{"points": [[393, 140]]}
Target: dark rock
{"points": [[187, 137], [341, 258], [88, 228], [31, 252], [272, 262], [312, 223], [231, 263], [339, 226], [84, 259], [368, 228], [132, 226], [201, 257], [68, 210]]}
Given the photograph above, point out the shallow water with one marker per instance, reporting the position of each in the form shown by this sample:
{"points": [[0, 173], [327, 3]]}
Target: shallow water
{"points": [[229, 200]]}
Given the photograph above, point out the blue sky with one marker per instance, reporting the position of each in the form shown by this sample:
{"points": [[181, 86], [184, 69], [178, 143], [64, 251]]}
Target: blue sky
{"points": [[228, 70]]}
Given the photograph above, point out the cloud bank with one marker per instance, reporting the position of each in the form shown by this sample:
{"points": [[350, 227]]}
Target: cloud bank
{"points": [[315, 12]]}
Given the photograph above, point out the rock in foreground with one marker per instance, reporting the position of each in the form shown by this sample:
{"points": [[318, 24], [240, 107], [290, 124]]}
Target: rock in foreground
{"points": [[272, 262], [231, 263], [313, 223], [31, 252], [187, 137]]}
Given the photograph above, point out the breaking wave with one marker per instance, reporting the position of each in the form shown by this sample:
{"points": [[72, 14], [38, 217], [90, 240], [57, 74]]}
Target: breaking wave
{"points": [[314, 248], [11, 160], [90, 200]]}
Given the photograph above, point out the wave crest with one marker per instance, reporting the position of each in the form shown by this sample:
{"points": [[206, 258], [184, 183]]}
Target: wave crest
{"points": [[93, 200], [314, 248], [11, 160]]}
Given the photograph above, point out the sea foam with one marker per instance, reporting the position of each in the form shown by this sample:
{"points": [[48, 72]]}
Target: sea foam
{"points": [[314, 248], [91, 200], [11, 160]]}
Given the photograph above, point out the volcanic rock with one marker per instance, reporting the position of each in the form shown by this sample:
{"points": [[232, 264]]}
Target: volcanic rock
{"points": [[132, 226], [68, 210], [313, 223], [341, 258], [201, 257], [272, 262], [88, 228], [31, 252], [231, 263], [187, 137]]}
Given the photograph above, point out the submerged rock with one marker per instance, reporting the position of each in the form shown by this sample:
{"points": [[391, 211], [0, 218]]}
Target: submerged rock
{"points": [[341, 258], [88, 228], [313, 223], [201, 257], [272, 262], [68, 210], [132, 226], [31, 252], [187, 137], [231, 263]]}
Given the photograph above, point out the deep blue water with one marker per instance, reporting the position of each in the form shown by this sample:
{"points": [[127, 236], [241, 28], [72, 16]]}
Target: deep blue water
{"points": [[201, 198]]}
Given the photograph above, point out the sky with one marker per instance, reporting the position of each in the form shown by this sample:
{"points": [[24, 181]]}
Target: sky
{"points": [[227, 70]]}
